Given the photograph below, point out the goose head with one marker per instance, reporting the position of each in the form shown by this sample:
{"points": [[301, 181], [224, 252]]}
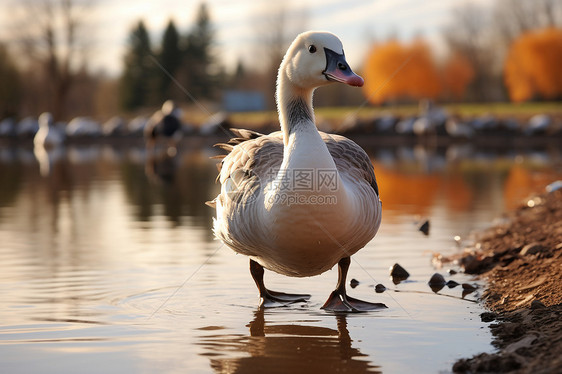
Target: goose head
{"points": [[314, 59], [45, 120]]}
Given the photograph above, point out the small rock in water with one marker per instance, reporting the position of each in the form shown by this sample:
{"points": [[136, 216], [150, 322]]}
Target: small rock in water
{"points": [[354, 283], [457, 239], [452, 271], [451, 284], [424, 227], [379, 288], [487, 316], [436, 282], [468, 287], [436, 279], [398, 273]]}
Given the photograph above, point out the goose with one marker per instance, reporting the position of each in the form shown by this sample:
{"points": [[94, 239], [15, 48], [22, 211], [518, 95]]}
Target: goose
{"points": [[48, 144], [83, 127], [299, 201], [165, 124], [48, 135]]}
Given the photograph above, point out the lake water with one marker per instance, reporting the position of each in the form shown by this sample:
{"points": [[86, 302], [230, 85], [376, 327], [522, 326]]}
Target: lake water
{"points": [[108, 264]]}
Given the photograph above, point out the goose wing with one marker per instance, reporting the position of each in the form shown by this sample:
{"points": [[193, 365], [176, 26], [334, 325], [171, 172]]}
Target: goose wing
{"points": [[351, 159], [252, 155], [253, 158]]}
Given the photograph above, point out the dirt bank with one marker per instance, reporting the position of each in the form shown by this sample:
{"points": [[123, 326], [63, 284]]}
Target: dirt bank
{"points": [[522, 261]]}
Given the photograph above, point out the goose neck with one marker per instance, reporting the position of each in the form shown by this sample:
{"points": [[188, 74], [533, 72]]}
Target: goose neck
{"points": [[294, 105]]}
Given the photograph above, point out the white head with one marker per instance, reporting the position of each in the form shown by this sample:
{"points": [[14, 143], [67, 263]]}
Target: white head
{"points": [[316, 58], [45, 119], [168, 107]]}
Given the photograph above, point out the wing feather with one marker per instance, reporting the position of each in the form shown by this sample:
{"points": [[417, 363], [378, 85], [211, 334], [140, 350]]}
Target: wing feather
{"points": [[261, 155]]}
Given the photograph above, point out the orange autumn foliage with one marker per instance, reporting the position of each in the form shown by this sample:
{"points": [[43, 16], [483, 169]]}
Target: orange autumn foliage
{"points": [[457, 74], [533, 65], [395, 71]]}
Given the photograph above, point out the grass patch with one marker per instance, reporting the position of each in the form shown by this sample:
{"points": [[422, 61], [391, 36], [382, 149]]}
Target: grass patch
{"points": [[339, 114]]}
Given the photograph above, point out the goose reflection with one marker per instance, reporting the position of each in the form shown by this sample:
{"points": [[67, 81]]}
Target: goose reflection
{"points": [[160, 166], [288, 348]]}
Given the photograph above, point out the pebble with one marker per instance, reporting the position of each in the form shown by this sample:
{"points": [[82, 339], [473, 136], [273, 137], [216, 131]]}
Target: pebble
{"points": [[353, 283], [452, 271], [468, 287], [398, 272], [457, 239], [379, 288], [536, 304], [531, 249], [424, 227], [488, 316], [436, 280], [451, 284]]}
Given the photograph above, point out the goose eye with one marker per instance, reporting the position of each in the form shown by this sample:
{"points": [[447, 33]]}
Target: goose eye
{"points": [[312, 48]]}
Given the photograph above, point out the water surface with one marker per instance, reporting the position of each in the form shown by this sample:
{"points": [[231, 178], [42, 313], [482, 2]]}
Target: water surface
{"points": [[108, 264]]}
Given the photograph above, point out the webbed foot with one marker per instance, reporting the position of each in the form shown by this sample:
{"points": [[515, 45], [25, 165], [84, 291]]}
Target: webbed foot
{"points": [[340, 302], [271, 298]]}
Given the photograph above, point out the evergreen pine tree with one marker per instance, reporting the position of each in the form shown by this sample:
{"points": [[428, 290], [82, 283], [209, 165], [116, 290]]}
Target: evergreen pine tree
{"points": [[10, 89], [170, 58], [138, 71], [198, 60]]}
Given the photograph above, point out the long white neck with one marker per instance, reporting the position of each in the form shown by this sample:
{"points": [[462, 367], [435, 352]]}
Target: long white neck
{"points": [[304, 146], [294, 105]]}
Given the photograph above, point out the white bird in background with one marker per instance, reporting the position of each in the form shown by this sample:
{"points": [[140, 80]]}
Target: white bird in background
{"points": [[48, 135], [298, 201], [47, 143], [165, 124]]}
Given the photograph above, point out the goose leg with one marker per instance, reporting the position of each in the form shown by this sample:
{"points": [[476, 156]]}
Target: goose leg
{"points": [[340, 302], [270, 298]]}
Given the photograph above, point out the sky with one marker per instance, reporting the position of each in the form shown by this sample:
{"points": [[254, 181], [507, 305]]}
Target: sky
{"points": [[237, 23]]}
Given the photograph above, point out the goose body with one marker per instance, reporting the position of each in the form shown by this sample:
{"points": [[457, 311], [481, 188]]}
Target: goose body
{"points": [[332, 209], [165, 124], [48, 135], [298, 201]]}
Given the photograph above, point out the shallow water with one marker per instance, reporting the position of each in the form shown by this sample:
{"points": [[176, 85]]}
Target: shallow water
{"points": [[108, 265]]}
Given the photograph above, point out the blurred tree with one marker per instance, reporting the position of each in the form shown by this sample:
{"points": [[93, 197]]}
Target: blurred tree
{"points": [[483, 34], [397, 71], [532, 67], [277, 24], [468, 34], [52, 38], [239, 76], [137, 79], [457, 73], [170, 57], [10, 89], [514, 17], [200, 69]]}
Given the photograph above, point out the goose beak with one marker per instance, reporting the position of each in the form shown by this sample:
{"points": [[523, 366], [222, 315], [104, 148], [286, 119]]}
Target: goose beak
{"points": [[337, 69]]}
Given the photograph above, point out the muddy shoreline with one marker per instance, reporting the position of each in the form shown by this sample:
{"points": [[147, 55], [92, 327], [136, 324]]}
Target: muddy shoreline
{"points": [[521, 259]]}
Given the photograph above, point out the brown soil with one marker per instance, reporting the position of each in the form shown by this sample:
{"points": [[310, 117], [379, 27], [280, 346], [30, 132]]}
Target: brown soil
{"points": [[522, 261]]}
